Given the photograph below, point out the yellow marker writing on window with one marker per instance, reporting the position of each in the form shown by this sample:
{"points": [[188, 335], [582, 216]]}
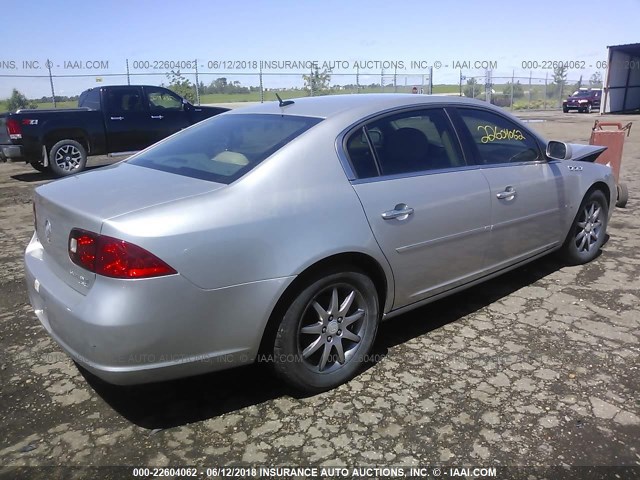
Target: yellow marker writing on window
{"points": [[493, 133]]}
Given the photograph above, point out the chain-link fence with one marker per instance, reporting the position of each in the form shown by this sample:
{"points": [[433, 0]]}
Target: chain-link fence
{"points": [[528, 92], [522, 93]]}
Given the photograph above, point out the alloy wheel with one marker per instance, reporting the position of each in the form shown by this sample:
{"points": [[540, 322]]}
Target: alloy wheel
{"points": [[68, 158], [331, 328], [589, 227]]}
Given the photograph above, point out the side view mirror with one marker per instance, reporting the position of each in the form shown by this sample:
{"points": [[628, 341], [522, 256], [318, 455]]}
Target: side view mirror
{"points": [[558, 150]]}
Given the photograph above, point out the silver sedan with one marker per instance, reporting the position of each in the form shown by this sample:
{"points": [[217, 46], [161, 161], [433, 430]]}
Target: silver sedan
{"points": [[285, 232]]}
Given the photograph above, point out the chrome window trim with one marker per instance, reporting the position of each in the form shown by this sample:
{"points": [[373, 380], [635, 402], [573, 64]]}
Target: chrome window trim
{"points": [[360, 181]]}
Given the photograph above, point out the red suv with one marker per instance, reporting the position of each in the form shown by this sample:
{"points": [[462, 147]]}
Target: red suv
{"points": [[583, 100]]}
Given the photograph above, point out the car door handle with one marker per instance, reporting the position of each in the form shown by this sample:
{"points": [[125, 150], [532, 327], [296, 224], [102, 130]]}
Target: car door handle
{"points": [[401, 212], [508, 193], [157, 117], [117, 118]]}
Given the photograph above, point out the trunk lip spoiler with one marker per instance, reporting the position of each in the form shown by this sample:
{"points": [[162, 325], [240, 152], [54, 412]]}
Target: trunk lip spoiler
{"points": [[584, 153]]}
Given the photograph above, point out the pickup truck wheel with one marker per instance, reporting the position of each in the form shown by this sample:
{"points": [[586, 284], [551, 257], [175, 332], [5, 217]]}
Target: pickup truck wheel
{"points": [[39, 166], [565, 110], [588, 109], [67, 157]]}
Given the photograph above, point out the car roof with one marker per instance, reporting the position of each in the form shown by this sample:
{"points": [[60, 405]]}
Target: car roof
{"points": [[358, 105]]}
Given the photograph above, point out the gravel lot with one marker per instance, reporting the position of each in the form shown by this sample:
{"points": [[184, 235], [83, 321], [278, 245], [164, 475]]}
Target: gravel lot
{"points": [[538, 367]]}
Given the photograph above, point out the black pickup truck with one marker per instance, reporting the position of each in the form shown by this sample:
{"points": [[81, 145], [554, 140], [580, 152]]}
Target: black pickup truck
{"points": [[108, 120]]}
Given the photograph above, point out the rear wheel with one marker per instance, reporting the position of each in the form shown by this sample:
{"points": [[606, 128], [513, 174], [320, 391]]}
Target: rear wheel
{"points": [[67, 157], [327, 331], [588, 230]]}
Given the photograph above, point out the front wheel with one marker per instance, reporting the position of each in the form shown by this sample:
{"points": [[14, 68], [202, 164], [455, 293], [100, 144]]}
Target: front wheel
{"points": [[588, 109], [67, 157], [588, 230], [327, 331]]}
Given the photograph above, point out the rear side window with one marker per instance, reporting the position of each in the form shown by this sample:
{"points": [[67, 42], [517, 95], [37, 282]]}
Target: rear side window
{"points": [[225, 147], [90, 99], [126, 99], [404, 143]]}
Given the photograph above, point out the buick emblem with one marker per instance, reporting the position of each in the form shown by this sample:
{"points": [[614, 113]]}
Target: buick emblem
{"points": [[47, 230]]}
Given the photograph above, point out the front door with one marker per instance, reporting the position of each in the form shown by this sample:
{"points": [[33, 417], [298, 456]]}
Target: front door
{"points": [[526, 190], [166, 111]]}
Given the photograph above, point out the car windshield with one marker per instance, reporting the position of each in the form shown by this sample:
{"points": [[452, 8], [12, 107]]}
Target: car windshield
{"points": [[582, 93], [225, 147]]}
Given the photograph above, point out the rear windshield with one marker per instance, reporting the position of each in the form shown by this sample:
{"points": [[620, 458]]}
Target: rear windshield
{"points": [[225, 147]]}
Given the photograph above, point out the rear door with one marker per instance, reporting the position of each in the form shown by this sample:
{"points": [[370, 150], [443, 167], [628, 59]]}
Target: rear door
{"points": [[429, 211], [166, 112], [526, 190], [127, 119]]}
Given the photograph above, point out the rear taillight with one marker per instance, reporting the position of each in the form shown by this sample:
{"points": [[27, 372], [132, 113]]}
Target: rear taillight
{"points": [[115, 258], [14, 129]]}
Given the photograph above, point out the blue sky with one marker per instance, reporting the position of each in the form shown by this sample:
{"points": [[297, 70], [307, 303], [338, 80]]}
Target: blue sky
{"points": [[506, 32]]}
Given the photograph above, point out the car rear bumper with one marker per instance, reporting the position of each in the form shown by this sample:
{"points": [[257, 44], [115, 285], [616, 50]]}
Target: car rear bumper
{"points": [[141, 331], [11, 153]]}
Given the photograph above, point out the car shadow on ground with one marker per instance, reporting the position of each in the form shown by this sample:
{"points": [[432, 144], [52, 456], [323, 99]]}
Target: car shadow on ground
{"points": [[447, 310], [179, 402]]}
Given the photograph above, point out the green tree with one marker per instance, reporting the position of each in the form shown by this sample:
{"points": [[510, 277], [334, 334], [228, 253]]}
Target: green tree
{"points": [[317, 82], [472, 88], [518, 90], [18, 100], [595, 80], [219, 85], [556, 89], [181, 85]]}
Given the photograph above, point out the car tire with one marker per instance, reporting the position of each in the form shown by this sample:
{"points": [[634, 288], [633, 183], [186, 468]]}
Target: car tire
{"points": [[588, 230], [67, 157], [36, 164], [588, 109], [565, 110], [623, 195], [328, 330]]}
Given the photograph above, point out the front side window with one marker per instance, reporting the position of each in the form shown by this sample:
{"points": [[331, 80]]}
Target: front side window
{"points": [[408, 142], [225, 147], [161, 99], [497, 139]]}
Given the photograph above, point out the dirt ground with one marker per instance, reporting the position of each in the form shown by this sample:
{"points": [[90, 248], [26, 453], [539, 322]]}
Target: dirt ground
{"points": [[537, 368]]}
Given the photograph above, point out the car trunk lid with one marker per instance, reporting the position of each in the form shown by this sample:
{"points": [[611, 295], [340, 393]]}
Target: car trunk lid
{"points": [[85, 201]]}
